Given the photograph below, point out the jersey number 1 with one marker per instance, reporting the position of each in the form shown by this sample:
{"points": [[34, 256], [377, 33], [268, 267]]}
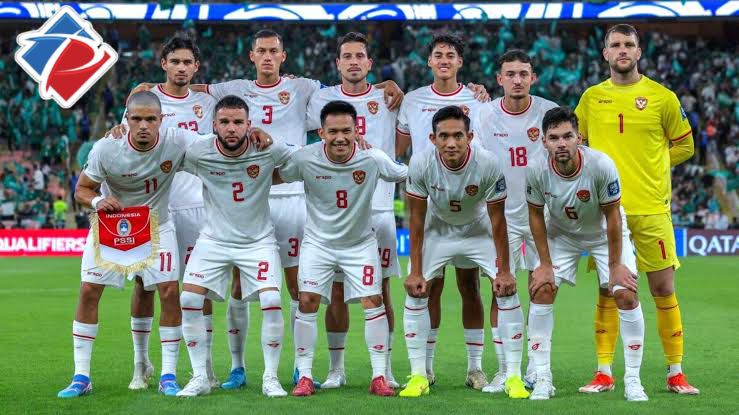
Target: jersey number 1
{"points": [[621, 123]]}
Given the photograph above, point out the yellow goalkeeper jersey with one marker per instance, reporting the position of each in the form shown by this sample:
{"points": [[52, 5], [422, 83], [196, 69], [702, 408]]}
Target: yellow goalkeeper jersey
{"points": [[634, 125]]}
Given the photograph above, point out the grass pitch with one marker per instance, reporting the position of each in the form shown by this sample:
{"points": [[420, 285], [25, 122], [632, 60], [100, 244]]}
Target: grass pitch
{"points": [[38, 297]]}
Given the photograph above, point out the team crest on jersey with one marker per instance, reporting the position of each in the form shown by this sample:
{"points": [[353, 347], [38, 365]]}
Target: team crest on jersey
{"points": [[123, 227], [471, 190], [166, 166], [198, 110], [253, 171], [583, 195], [284, 97], [359, 176], [373, 107], [465, 109], [533, 133], [641, 103]]}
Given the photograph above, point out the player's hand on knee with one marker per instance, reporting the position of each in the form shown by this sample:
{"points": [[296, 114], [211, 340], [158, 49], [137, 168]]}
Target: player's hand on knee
{"points": [[415, 285], [117, 132], [504, 285], [621, 275], [109, 204], [260, 138], [541, 276], [481, 93]]}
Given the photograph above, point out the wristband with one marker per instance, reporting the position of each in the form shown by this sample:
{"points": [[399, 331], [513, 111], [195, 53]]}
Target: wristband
{"points": [[95, 201]]}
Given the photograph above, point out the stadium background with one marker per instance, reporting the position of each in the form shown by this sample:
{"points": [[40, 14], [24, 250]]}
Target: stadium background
{"points": [[43, 146]]}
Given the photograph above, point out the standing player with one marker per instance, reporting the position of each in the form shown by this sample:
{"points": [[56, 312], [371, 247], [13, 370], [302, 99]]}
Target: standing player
{"points": [[511, 130], [279, 107], [193, 111], [641, 126], [237, 178], [339, 183], [414, 127], [376, 123], [581, 190], [466, 189], [137, 171]]}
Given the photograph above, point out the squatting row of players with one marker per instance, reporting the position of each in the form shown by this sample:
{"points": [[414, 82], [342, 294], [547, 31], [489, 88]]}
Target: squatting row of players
{"points": [[523, 195]]}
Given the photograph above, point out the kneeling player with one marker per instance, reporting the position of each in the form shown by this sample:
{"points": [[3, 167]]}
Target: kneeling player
{"points": [[580, 188], [339, 183], [465, 224], [238, 233]]}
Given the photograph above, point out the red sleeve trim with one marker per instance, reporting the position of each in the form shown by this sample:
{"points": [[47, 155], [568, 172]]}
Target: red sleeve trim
{"points": [[397, 130], [535, 205], [415, 196], [496, 201], [611, 203], [207, 89], [682, 137]]}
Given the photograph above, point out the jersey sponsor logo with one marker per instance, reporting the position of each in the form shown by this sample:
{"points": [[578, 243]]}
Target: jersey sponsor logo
{"points": [[373, 107], [253, 171], [428, 109], [613, 188], [437, 188], [134, 174], [166, 166], [197, 275], [533, 133], [471, 190], [465, 109], [359, 176], [605, 101], [502, 135], [500, 185], [198, 110], [217, 173], [284, 97], [683, 114], [641, 103], [583, 195], [171, 114]]}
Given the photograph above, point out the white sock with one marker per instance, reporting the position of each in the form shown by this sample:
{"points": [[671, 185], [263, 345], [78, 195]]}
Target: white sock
{"points": [[194, 331], [336, 343], [632, 337], [237, 318], [605, 369], [375, 334], [416, 324], [273, 328], [306, 331], [530, 365], [674, 369], [430, 348], [293, 311], [83, 335], [170, 338], [510, 321], [498, 345], [541, 325], [475, 341], [389, 360], [208, 342], [140, 331]]}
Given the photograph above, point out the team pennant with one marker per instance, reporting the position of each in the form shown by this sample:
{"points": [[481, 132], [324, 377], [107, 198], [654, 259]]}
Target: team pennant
{"points": [[126, 241]]}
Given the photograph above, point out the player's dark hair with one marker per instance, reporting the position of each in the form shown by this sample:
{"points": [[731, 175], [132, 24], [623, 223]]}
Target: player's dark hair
{"points": [[624, 29], [514, 55], [338, 108], [231, 102], [557, 116], [448, 39], [451, 112], [180, 41], [264, 34], [349, 38], [143, 98]]}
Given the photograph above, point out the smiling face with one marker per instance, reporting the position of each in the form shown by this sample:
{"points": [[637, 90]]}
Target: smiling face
{"points": [[353, 62], [180, 66], [231, 126], [444, 62], [622, 52], [452, 141], [516, 79], [339, 133], [267, 55]]}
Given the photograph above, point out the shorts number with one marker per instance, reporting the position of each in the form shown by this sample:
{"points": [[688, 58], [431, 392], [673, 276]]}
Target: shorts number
{"points": [[518, 156], [368, 275], [192, 125], [621, 123], [238, 189], [455, 205], [361, 125], [570, 212], [267, 114], [385, 257], [151, 185], [165, 261], [189, 251], [341, 201], [662, 248], [263, 268], [294, 247]]}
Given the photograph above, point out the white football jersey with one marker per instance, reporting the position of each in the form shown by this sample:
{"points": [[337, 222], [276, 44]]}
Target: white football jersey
{"points": [[457, 196], [339, 195], [236, 189], [278, 109], [419, 107], [574, 202], [374, 122], [138, 178], [516, 139]]}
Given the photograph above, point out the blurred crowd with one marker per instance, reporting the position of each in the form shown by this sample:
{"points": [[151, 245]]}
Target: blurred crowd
{"points": [[567, 60]]}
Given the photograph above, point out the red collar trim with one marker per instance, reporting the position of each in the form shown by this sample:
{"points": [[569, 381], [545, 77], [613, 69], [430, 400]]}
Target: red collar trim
{"points": [[575, 173], [159, 86], [130, 143], [531, 100], [268, 86], [462, 166], [369, 88], [220, 149], [459, 88], [351, 156]]}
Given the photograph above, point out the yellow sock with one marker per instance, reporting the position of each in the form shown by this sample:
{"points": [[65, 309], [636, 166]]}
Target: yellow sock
{"points": [[670, 327], [606, 329]]}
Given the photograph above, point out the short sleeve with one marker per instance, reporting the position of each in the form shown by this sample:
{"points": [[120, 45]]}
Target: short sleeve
{"points": [[496, 190], [313, 115], [674, 120], [416, 182], [281, 152], [390, 170], [582, 115], [94, 169], [308, 86], [609, 186], [191, 160], [534, 195], [291, 170], [220, 90], [402, 126]]}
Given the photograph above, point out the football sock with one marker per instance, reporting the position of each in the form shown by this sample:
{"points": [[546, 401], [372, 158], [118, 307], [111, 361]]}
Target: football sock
{"points": [[510, 321], [375, 334], [474, 340], [83, 335], [389, 360], [606, 332], [170, 338], [140, 332], [237, 318], [194, 332], [306, 331], [430, 348], [541, 325], [208, 320], [416, 325], [670, 327], [336, 343], [632, 337], [498, 345], [273, 328]]}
